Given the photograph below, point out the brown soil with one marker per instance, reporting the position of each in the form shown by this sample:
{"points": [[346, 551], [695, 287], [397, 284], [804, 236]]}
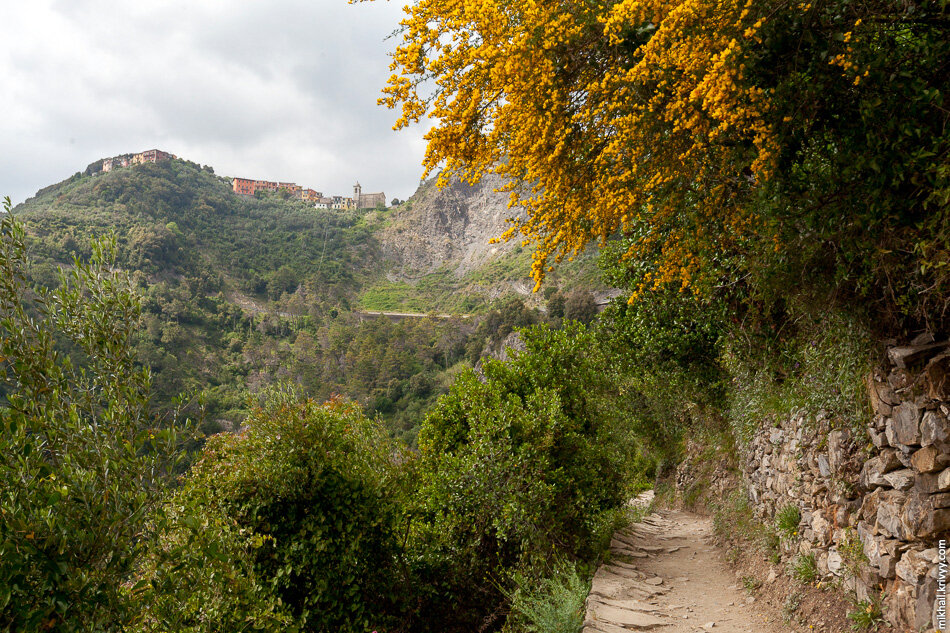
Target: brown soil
{"points": [[667, 573]]}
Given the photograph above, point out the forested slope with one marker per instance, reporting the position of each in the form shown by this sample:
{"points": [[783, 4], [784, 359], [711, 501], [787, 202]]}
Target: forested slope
{"points": [[242, 292]]}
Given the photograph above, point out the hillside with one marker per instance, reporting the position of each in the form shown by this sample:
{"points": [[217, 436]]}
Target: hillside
{"points": [[241, 292], [438, 254]]}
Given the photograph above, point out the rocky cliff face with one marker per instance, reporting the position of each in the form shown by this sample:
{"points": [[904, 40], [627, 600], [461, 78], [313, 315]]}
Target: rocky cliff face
{"points": [[448, 227]]}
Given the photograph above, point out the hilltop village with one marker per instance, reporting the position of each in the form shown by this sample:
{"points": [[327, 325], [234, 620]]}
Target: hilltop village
{"points": [[360, 200], [249, 187]]}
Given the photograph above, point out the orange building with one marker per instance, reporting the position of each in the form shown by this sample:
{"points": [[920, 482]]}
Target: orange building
{"points": [[243, 186]]}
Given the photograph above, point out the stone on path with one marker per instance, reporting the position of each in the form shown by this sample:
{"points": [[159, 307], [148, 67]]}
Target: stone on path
{"points": [[624, 617]]}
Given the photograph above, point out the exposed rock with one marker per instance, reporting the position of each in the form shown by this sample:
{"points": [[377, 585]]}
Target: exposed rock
{"points": [[913, 566], [935, 431], [904, 426], [927, 460], [448, 226], [889, 513], [902, 479], [905, 357]]}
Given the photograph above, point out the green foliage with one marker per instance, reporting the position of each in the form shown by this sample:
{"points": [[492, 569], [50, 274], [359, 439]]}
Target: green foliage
{"points": [[543, 434], [82, 462], [852, 552], [804, 569], [814, 361], [555, 604], [751, 584], [306, 497], [733, 519], [866, 614], [787, 520], [861, 190]]}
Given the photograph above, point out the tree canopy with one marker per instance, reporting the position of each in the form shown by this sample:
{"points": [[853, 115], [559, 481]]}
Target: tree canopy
{"points": [[710, 134]]}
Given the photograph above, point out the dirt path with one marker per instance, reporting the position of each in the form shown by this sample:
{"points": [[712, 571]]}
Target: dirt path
{"points": [[666, 575]]}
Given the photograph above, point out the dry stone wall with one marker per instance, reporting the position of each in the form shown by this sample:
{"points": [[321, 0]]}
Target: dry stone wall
{"points": [[875, 506]]}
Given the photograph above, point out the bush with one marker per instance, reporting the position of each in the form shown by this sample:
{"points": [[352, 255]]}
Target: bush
{"points": [[804, 569], [83, 465], [555, 604], [307, 493], [787, 520], [511, 470]]}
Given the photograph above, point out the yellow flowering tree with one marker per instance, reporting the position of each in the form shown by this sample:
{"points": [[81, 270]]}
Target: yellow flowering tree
{"points": [[667, 121]]}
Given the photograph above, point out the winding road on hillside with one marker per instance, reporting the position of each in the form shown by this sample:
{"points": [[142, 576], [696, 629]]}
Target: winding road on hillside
{"points": [[667, 575]]}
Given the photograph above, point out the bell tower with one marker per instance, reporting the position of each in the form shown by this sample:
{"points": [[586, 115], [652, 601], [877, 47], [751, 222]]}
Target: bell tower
{"points": [[357, 192]]}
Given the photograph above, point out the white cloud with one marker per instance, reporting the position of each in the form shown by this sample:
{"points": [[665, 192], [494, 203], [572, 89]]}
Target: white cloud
{"points": [[284, 89]]}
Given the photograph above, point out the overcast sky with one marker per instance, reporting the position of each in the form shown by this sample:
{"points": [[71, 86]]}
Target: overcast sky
{"points": [[276, 90]]}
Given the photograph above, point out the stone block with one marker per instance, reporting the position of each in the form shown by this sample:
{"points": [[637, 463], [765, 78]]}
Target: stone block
{"points": [[929, 483], [837, 449], [926, 599], [927, 460], [913, 566], [904, 426], [878, 438], [909, 355], [835, 562], [935, 431], [934, 523], [900, 604], [920, 518], [869, 506], [889, 513], [940, 500], [903, 454], [902, 479], [873, 471], [887, 566], [822, 529], [823, 466]]}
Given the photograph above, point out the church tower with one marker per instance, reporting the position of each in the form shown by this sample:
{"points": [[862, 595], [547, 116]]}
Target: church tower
{"points": [[357, 192]]}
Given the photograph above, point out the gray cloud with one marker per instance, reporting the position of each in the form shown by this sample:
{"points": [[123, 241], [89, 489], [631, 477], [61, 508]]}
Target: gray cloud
{"points": [[284, 89]]}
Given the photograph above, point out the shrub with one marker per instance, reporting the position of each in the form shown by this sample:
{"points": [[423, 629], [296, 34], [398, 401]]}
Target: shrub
{"points": [[804, 569], [83, 465], [308, 496], [555, 604], [787, 520], [866, 614], [511, 470]]}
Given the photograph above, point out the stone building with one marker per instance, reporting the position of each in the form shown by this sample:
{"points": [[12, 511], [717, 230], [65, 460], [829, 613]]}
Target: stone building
{"points": [[367, 200]]}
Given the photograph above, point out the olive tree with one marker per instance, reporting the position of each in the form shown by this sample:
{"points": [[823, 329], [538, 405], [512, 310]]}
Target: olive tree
{"points": [[82, 462]]}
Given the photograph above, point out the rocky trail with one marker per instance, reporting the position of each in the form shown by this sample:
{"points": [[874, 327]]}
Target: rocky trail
{"points": [[667, 575]]}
